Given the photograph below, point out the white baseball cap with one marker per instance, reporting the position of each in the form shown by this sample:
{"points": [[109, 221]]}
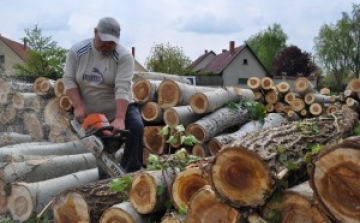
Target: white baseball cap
{"points": [[108, 29]]}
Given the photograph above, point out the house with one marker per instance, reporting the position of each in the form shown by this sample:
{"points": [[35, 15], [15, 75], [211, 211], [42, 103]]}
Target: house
{"points": [[137, 66], [11, 53], [233, 66]]}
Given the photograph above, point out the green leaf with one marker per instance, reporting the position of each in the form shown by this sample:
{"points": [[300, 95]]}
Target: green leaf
{"points": [[180, 128], [292, 166], [182, 210], [165, 130], [172, 139], [315, 150], [159, 190], [282, 157], [120, 184], [357, 130]]}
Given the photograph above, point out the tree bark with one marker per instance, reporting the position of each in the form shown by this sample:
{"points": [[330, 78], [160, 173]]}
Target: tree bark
{"points": [[209, 126], [204, 207], [180, 115], [209, 101], [172, 93], [125, 213], [145, 90], [335, 180], [28, 198], [185, 185], [144, 194], [311, 98], [86, 203], [245, 169], [160, 76], [10, 138]]}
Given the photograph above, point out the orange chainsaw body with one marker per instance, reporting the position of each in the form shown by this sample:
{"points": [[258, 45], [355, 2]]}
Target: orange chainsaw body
{"points": [[94, 122]]}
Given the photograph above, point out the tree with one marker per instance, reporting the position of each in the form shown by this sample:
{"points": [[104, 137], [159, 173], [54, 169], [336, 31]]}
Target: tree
{"points": [[292, 62], [168, 59], [267, 44], [45, 59], [338, 46]]}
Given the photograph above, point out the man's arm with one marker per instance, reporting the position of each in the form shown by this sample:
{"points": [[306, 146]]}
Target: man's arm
{"points": [[77, 103], [119, 121]]}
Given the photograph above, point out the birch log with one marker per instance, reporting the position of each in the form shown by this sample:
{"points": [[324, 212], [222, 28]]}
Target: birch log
{"points": [[160, 76], [209, 101], [204, 207], [10, 138], [180, 115], [28, 198], [245, 169], [144, 194], [173, 93], [214, 123], [145, 90], [125, 213], [319, 98], [185, 185], [335, 180]]}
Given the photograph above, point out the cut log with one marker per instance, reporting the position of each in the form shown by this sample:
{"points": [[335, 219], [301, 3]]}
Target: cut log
{"points": [[353, 104], [274, 119], [246, 169], [254, 83], [281, 107], [267, 83], [154, 141], [44, 87], [297, 104], [185, 185], [214, 123], [296, 205], [272, 96], [65, 103], [335, 180], [8, 114], [319, 98], [172, 93], [17, 158], [204, 207], [316, 109], [283, 88], [354, 85], [217, 142], [258, 96], [28, 198], [10, 138], [151, 112], [201, 150], [303, 86], [145, 90], [270, 108], [38, 170], [209, 101], [21, 87], [173, 217], [144, 195], [332, 108], [59, 87], [160, 76], [290, 97], [325, 91], [4, 91], [180, 115], [86, 203], [125, 213], [292, 116]]}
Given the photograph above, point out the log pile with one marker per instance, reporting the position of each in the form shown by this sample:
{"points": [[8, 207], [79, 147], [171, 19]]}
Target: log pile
{"points": [[243, 165]]}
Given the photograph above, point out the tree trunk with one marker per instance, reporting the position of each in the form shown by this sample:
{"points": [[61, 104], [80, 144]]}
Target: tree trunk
{"points": [[37, 170], [154, 141], [10, 138], [151, 112], [145, 90], [144, 195], [28, 198], [335, 180], [311, 98], [245, 169], [209, 126], [160, 76], [204, 207], [209, 101], [180, 115], [125, 213], [172, 93], [86, 203], [185, 185]]}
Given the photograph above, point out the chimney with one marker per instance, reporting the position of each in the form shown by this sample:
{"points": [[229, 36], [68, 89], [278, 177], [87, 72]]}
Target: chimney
{"points": [[232, 47], [224, 50], [133, 51], [25, 43], [206, 51]]}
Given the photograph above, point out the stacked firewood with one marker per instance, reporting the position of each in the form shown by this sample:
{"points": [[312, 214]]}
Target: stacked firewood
{"points": [[245, 164]]}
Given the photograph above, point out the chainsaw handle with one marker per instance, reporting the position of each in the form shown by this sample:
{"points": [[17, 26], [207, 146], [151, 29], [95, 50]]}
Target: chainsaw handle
{"points": [[119, 134]]}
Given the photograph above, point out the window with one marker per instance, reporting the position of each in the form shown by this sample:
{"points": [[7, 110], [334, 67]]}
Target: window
{"points": [[242, 81], [2, 58], [245, 62]]}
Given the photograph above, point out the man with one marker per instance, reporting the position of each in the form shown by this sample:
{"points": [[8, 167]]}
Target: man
{"points": [[98, 79]]}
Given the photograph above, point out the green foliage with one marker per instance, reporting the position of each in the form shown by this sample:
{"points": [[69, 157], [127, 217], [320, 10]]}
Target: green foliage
{"points": [[267, 44], [45, 218], [45, 59], [357, 130], [165, 58], [257, 111], [121, 184]]}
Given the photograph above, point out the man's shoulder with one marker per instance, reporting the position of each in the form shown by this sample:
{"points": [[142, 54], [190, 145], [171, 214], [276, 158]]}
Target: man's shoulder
{"points": [[121, 52], [82, 47]]}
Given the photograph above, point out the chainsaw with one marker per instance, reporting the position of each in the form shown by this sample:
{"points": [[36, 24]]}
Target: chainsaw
{"points": [[99, 138]]}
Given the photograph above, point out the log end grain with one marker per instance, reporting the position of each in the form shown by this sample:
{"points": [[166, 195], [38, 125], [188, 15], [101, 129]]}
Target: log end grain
{"points": [[121, 213], [214, 146], [171, 117], [141, 90], [240, 177], [185, 185], [254, 83], [71, 208], [197, 131], [169, 94], [143, 193], [20, 203], [204, 207], [199, 103]]}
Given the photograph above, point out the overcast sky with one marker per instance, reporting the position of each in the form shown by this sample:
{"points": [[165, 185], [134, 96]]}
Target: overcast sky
{"points": [[193, 25]]}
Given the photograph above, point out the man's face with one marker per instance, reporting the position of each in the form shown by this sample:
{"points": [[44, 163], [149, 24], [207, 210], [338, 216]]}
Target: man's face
{"points": [[106, 47]]}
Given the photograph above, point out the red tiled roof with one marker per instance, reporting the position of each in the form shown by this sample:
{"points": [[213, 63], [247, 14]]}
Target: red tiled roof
{"points": [[221, 61], [198, 60], [18, 48]]}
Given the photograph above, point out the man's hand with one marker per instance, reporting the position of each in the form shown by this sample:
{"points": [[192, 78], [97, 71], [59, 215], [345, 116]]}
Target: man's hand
{"points": [[79, 113], [118, 124]]}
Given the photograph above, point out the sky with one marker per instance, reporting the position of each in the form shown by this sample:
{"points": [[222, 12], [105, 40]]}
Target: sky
{"points": [[192, 25]]}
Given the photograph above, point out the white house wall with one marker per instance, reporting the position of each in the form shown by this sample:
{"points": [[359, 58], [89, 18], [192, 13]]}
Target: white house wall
{"points": [[236, 69]]}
